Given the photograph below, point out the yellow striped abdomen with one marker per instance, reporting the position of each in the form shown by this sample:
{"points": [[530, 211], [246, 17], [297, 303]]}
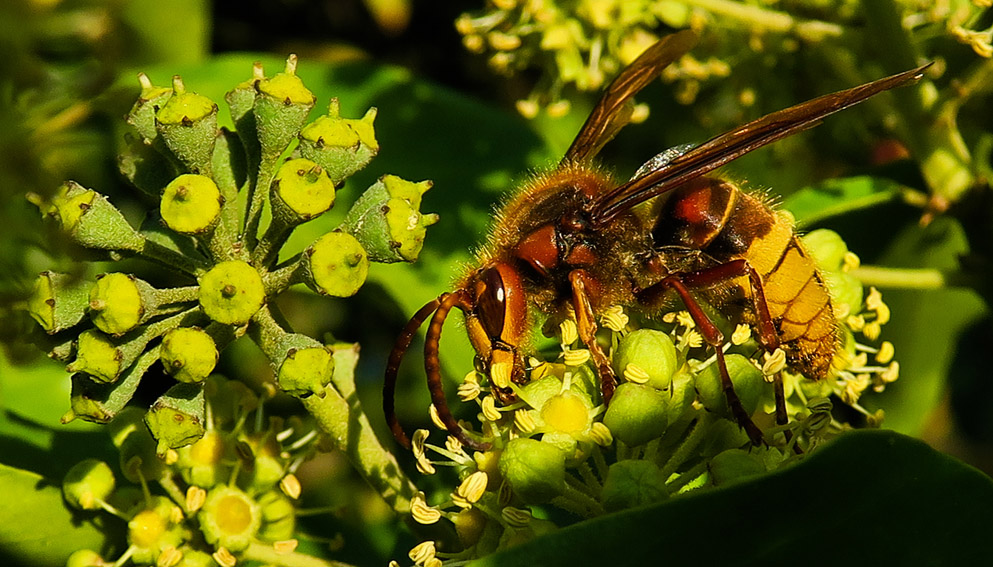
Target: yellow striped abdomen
{"points": [[798, 299]]}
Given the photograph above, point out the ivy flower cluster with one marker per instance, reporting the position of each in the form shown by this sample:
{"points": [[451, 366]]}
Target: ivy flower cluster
{"points": [[230, 496], [668, 428], [583, 44], [210, 186]]}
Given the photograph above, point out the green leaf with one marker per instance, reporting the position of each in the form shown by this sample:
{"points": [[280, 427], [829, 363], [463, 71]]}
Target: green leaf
{"points": [[833, 197], [872, 497], [925, 324], [36, 527]]}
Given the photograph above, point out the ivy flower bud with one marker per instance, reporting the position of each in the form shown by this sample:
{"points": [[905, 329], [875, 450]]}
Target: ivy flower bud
{"points": [[153, 531], [99, 402], [651, 351], [119, 302], [631, 483], [470, 524], [231, 292], [278, 517], [201, 463], [336, 264], [229, 518], [89, 219], [637, 414], [58, 301], [535, 470], [102, 357], [747, 380], [187, 123], [191, 204], [341, 146], [142, 115], [85, 558], [734, 465], [189, 354], [87, 484], [177, 418], [301, 191], [303, 365], [387, 221], [281, 108], [827, 248], [241, 99], [136, 447], [846, 293]]}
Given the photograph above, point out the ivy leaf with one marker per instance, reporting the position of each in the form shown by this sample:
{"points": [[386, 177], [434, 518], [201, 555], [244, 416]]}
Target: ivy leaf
{"points": [[40, 529], [834, 197], [875, 497]]}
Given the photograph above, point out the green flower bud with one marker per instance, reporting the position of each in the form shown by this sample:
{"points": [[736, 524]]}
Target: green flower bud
{"points": [[231, 292], [191, 204], [386, 219], [177, 418], [568, 413], [301, 191], [278, 517], [97, 401], [651, 351], [241, 99], [153, 530], [201, 463], [88, 484], [58, 301], [187, 123], [681, 398], [826, 247], [118, 302], [195, 558], [142, 115], [89, 219], [469, 525], [136, 447], [535, 470], [637, 414], [189, 354], [336, 264], [846, 292], [721, 435], [632, 483], [281, 109], [267, 467], [303, 365], [229, 518], [101, 356], [734, 465], [746, 378], [142, 164], [85, 558], [341, 146]]}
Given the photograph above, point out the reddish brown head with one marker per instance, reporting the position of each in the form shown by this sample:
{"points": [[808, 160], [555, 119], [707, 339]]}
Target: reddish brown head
{"points": [[495, 307]]}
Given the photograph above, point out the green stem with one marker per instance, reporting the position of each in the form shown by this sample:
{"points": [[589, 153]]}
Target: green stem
{"points": [[257, 198], [267, 555], [911, 278], [267, 251], [340, 416], [771, 20], [171, 259], [682, 453], [686, 478], [279, 280]]}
